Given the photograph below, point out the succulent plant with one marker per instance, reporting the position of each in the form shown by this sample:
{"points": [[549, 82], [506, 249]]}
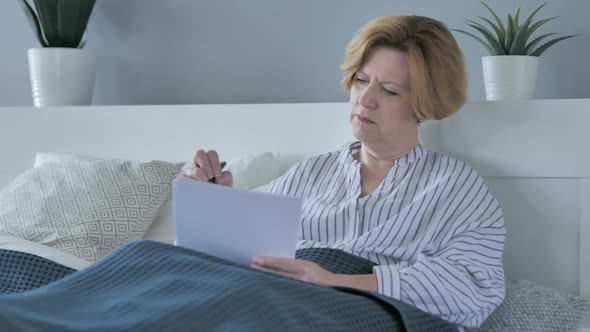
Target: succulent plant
{"points": [[59, 23], [513, 37]]}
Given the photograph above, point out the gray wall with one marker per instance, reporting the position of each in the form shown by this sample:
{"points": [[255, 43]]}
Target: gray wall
{"points": [[262, 51]]}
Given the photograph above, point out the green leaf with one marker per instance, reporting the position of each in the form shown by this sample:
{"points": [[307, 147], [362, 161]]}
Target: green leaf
{"points": [[86, 12], [516, 17], [486, 45], [522, 37], [48, 17], [534, 43], [499, 33], [62, 22], [83, 41], [537, 25], [519, 43], [73, 19], [34, 21], [490, 38], [530, 21], [498, 20], [509, 34], [548, 44], [469, 22], [530, 18]]}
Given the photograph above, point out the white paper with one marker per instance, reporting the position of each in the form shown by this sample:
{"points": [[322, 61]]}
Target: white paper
{"points": [[234, 224]]}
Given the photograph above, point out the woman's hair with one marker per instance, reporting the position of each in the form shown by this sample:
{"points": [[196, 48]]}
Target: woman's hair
{"points": [[438, 79]]}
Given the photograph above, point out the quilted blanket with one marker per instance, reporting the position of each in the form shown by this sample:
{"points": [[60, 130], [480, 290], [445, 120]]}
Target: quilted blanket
{"points": [[151, 286]]}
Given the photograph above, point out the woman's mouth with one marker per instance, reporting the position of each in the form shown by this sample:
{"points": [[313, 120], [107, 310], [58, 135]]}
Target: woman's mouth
{"points": [[363, 119]]}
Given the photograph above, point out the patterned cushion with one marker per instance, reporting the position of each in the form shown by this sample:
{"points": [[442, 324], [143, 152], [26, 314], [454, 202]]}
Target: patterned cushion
{"points": [[532, 307], [86, 208]]}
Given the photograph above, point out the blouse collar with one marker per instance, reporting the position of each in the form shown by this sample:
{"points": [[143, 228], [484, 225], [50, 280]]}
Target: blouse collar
{"points": [[417, 152]]}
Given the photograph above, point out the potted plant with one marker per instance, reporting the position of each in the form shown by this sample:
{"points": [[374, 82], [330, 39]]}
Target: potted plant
{"points": [[510, 72], [62, 73]]}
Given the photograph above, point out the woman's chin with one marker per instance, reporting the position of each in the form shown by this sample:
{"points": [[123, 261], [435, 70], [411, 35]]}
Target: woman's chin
{"points": [[363, 135]]}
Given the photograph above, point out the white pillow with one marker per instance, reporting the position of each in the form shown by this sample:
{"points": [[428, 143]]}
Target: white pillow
{"points": [[254, 170]]}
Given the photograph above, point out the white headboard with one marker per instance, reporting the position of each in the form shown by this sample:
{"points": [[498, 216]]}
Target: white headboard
{"points": [[533, 154]]}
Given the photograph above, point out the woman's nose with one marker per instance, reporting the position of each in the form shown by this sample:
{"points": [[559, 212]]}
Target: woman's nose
{"points": [[367, 97]]}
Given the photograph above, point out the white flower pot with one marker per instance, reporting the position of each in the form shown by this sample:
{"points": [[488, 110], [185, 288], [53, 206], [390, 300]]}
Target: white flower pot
{"points": [[62, 76], [510, 76]]}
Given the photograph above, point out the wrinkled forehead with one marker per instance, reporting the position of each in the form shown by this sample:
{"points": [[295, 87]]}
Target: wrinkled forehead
{"points": [[388, 65]]}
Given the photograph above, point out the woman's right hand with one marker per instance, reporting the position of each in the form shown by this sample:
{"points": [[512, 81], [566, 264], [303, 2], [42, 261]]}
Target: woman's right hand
{"points": [[206, 166]]}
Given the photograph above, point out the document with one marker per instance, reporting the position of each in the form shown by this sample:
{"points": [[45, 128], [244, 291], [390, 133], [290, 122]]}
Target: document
{"points": [[234, 224]]}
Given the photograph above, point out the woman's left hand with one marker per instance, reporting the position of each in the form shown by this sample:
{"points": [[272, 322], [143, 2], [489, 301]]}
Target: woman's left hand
{"points": [[296, 269]]}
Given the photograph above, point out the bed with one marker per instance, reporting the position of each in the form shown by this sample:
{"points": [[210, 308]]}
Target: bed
{"points": [[532, 154]]}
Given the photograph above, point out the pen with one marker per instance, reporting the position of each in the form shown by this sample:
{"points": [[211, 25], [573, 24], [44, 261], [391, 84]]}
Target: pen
{"points": [[223, 163]]}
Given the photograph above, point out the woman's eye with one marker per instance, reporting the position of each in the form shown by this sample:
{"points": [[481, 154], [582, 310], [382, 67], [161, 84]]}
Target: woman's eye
{"points": [[391, 93], [360, 80]]}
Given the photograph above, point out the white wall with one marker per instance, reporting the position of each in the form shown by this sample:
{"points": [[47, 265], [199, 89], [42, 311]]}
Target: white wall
{"points": [[260, 51]]}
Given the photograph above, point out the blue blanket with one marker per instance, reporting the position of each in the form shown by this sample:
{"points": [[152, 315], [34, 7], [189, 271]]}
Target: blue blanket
{"points": [[150, 286]]}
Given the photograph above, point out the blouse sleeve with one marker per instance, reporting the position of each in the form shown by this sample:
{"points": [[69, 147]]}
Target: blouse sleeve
{"points": [[463, 280]]}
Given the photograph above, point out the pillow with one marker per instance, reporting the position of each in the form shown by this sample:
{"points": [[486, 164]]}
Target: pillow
{"points": [[531, 307], [249, 171], [263, 188], [162, 229], [86, 208], [254, 171]]}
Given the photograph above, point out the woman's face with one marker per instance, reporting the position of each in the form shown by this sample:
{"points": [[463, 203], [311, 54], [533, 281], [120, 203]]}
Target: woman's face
{"points": [[381, 110]]}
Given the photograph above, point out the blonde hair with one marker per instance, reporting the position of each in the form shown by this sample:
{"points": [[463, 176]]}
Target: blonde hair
{"points": [[438, 79]]}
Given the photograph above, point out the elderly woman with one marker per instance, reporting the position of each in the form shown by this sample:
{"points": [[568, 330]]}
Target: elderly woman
{"points": [[427, 222]]}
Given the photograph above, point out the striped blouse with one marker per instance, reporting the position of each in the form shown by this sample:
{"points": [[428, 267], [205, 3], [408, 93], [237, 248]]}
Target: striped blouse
{"points": [[432, 227]]}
